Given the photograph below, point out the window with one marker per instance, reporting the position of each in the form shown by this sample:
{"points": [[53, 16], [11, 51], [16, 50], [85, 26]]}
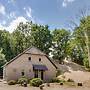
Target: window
{"points": [[29, 58], [39, 59], [22, 73]]}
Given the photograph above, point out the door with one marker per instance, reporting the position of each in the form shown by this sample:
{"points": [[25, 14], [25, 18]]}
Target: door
{"points": [[39, 74], [42, 74]]}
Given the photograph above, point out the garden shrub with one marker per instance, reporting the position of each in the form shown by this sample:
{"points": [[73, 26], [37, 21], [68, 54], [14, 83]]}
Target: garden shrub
{"points": [[55, 80], [36, 82], [22, 80], [11, 82], [70, 80]]}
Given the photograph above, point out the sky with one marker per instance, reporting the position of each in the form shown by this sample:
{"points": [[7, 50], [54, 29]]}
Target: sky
{"points": [[55, 13]]}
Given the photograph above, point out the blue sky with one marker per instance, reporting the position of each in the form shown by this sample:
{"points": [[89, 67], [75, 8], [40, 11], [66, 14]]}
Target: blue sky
{"points": [[55, 13]]}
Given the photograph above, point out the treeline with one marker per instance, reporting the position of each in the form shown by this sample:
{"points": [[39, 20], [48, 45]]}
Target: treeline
{"points": [[60, 43]]}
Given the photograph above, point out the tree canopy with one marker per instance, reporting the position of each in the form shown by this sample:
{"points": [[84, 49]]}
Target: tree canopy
{"points": [[64, 43]]}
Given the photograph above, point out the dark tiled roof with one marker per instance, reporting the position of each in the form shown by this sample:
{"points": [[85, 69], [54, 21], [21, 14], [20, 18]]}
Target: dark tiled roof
{"points": [[39, 67]]}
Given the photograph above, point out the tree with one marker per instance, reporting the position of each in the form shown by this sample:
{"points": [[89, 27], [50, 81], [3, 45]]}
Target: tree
{"points": [[61, 41], [81, 41], [85, 27], [5, 44], [41, 37], [21, 37], [30, 34], [2, 61]]}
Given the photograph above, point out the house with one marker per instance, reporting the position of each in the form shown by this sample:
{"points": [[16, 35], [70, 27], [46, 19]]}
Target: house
{"points": [[31, 63]]}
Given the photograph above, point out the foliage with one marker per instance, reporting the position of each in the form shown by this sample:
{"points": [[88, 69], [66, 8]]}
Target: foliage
{"points": [[2, 56], [11, 82], [64, 44], [36, 82], [55, 80], [30, 34], [21, 37], [5, 44], [41, 37], [70, 80], [22, 80], [77, 45], [2, 61], [80, 43], [60, 39]]}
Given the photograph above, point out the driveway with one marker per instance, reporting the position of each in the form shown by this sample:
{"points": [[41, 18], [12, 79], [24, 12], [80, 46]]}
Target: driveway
{"points": [[52, 87], [74, 71]]}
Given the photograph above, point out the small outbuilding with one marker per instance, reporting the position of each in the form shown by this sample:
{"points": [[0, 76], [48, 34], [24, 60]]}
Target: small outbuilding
{"points": [[31, 63]]}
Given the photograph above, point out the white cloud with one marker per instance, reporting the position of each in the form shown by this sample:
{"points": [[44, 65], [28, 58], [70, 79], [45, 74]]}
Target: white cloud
{"points": [[66, 2], [13, 25], [28, 12], [12, 15], [2, 9], [3, 22]]}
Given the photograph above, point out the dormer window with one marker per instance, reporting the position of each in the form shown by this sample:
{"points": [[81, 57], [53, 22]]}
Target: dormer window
{"points": [[39, 59], [29, 58]]}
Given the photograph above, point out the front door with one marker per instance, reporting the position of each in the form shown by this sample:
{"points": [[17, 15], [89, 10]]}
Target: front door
{"points": [[42, 75], [39, 74]]}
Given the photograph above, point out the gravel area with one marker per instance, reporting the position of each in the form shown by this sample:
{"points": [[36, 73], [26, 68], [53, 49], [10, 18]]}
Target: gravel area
{"points": [[52, 87]]}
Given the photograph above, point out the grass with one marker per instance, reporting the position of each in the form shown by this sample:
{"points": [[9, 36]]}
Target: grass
{"points": [[70, 84]]}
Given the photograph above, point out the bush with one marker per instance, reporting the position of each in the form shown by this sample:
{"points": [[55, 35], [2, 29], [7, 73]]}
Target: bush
{"points": [[70, 80], [55, 80], [36, 82], [11, 82], [62, 81], [22, 80]]}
